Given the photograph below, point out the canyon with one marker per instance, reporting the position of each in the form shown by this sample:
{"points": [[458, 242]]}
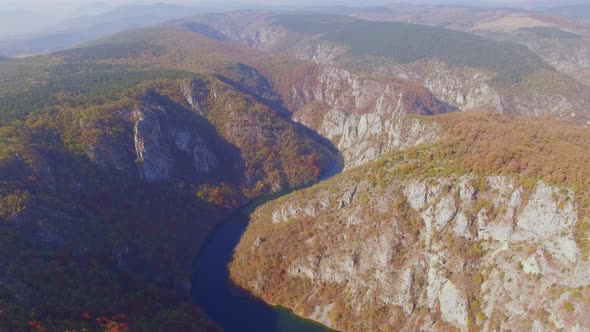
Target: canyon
{"points": [[462, 202]]}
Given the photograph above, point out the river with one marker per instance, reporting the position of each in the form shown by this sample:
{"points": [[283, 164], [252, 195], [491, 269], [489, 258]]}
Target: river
{"points": [[231, 308]]}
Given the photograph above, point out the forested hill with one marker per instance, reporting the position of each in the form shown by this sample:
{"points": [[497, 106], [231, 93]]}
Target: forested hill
{"points": [[118, 157], [465, 70], [411, 42], [116, 160], [441, 234]]}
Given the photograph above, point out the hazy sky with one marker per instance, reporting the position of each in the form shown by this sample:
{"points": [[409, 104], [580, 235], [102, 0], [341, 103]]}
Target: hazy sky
{"points": [[77, 4]]}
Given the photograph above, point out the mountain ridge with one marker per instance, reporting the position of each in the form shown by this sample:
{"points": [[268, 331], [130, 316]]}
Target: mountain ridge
{"points": [[181, 136], [418, 240], [529, 91], [118, 157]]}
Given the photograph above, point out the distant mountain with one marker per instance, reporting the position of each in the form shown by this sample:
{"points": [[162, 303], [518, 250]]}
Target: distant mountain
{"points": [[557, 35], [465, 70], [578, 11], [410, 42], [11, 22], [85, 28], [94, 8]]}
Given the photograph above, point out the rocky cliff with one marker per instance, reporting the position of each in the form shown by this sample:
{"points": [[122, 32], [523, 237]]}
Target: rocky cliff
{"points": [[464, 87], [363, 117], [112, 174], [127, 191], [416, 242], [209, 130], [470, 88], [464, 252]]}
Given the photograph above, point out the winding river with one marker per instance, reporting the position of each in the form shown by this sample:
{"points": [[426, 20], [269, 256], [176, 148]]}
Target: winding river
{"points": [[231, 308]]}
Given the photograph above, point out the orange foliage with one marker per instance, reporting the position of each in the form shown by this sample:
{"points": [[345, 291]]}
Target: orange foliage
{"points": [[103, 320], [552, 150], [86, 315], [116, 324], [116, 327], [314, 164], [35, 325]]}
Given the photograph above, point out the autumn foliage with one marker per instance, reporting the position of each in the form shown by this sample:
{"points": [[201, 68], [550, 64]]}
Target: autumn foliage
{"points": [[553, 150]]}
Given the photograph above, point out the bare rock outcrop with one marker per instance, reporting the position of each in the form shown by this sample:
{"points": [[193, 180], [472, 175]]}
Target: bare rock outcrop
{"points": [[459, 252], [364, 117], [155, 161]]}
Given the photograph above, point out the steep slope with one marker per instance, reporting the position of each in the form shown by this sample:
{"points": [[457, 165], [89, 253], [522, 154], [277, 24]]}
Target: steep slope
{"points": [[112, 175], [363, 117], [117, 158], [461, 69], [487, 228], [403, 42], [558, 40], [304, 91], [566, 50], [407, 43]]}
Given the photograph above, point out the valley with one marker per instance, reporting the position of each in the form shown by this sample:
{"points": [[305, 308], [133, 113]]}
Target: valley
{"points": [[231, 307], [417, 241], [364, 171]]}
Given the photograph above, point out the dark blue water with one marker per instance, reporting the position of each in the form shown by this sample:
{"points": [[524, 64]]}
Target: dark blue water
{"points": [[231, 308]]}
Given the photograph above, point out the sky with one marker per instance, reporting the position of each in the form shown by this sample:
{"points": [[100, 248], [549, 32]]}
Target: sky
{"points": [[72, 5], [78, 3]]}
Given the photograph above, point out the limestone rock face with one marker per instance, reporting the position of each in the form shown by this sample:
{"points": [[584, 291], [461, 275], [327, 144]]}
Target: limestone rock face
{"points": [[203, 160], [157, 143], [247, 27], [571, 56], [196, 93], [322, 52], [433, 254], [152, 138], [469, 89], [153, 141], [152, 154], [464, 88], [365, 117], [543, 217], [460, 88], [453, 306]]}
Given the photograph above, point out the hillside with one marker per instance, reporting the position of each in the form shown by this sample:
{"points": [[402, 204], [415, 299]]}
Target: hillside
{"points": [[120, 156], [552, 34], [486, 228], [466, 71], [113, 174], [403, 42]]}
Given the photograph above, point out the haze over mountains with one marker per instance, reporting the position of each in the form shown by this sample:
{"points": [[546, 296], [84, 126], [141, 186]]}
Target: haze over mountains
{"points": [[64, 24], [134, 133], [74, 31]]}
